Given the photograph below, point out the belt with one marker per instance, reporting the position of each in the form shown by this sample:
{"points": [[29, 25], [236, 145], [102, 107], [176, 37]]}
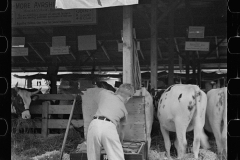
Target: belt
{"points": [[102, 118]]}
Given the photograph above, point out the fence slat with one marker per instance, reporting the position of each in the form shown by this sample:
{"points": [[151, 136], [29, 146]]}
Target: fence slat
{"points": [[56, 96], [45, 118], [60, 123]]}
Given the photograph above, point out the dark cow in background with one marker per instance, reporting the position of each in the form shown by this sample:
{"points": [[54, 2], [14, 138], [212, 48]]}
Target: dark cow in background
{"points": [[21, 99], [103, 84]]}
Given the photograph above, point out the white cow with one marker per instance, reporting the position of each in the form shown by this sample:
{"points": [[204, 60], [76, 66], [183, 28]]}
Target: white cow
{"points": [[216, 117], [182, 108]]}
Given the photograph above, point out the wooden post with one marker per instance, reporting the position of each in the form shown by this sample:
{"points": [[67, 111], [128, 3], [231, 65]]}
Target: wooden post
{"points": [[52, 75], [45, 106], [154, 36], [127, 45], [199, 73], [171, 47], [194, 66], [29, 83]]}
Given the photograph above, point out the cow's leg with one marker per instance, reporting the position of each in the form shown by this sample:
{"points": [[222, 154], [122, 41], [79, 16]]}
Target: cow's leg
{"points": [[176, 144], [216, 127], [199, 137], [167, 142], [181, 136]]}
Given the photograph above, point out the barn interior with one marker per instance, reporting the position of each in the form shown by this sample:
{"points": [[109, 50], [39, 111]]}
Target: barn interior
{"points": [[170, 29]]}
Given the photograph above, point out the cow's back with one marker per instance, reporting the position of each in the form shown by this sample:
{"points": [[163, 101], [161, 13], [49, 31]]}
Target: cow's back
{"points": [[216, 116], [216, 106], [181, 102]]}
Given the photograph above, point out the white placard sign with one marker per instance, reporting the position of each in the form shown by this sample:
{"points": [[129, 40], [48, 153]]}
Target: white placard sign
{"points": [[44, 13], [87, 42], [18, 41], [196, 46], [59, 50], [58, 41], [196, 32], [19, 51]]}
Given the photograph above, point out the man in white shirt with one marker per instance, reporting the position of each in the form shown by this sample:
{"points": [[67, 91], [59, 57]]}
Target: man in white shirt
{"points": [[102, 131]]}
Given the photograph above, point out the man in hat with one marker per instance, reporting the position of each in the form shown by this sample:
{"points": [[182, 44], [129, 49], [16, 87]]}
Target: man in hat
{"points": [[102, 131]]}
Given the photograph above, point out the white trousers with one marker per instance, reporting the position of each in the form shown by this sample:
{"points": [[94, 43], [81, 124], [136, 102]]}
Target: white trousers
{"points": [[103, 134]]}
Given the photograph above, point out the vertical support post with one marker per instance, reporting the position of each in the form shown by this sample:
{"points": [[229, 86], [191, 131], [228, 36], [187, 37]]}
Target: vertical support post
{"points": [[52, 75], [171, 47], [45, 106], [194, 66], [187, 65], [154, 44], [199, 73], [127, 45], [29, 83]]}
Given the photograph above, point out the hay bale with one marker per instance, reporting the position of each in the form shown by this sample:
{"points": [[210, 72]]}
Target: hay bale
{"points": [[156, 155], [53, 155]]}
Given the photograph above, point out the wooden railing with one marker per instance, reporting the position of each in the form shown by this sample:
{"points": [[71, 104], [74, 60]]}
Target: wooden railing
{"points": [[47, 109]]}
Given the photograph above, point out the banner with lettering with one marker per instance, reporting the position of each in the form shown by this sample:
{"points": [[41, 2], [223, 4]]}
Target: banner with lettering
{"points": [[44, 13], [71, 4]]}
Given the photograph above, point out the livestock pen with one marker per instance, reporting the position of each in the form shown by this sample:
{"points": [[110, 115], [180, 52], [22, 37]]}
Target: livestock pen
{"points": [[43, 144]]}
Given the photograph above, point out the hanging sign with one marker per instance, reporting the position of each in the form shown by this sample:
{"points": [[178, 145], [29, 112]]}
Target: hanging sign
{"points": [[18, 41], [87, 42], [70, 4], [19, 51], [44, 13], [59, 50], [196, 32], [58, 41], [196, 46]]}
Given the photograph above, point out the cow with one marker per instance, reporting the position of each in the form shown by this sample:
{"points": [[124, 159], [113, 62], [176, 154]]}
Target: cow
{"points": [[182, 108], [216, 117], [21, 99]]}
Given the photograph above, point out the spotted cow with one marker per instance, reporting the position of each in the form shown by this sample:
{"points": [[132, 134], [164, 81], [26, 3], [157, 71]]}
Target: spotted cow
{"points": [[21, 99], [216, 117], [182, 108]]}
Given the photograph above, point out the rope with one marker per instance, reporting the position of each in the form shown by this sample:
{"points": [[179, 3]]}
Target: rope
{"points": [[136, 68]]}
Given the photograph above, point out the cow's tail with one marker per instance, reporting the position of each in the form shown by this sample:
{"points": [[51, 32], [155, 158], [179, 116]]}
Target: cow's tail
{"points": [[201, 104], [224, 132], [32, 93]]}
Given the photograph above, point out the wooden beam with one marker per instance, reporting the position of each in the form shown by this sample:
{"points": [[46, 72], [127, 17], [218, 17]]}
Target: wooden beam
{"points": [[39, 55], [213, 49], [26, 59], [171, 8], [159, 51], [141, 53], [89, 54], [216, 41], [105, 51], [71, 53], [171, 48], [154, 44], [127, 45]]}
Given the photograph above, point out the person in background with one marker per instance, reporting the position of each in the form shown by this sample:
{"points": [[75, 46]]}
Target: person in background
{"points": [[102, 131]]}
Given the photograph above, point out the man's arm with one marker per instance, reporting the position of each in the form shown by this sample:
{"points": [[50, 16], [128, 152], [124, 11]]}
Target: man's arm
{"points": [[122, 125]]}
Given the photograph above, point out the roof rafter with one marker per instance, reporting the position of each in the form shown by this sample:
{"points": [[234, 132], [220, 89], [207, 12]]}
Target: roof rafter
{"points": [[39, 55]]}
